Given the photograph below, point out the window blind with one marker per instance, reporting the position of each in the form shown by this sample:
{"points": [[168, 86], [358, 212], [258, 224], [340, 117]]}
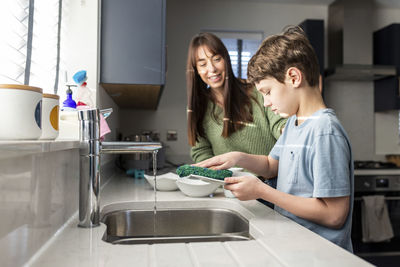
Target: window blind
{"points": [[31, 50], [14, 15], [241, 47]]}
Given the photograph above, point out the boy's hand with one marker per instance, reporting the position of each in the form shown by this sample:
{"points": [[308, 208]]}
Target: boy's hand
{"points": [[220, 162], [244, 187]]}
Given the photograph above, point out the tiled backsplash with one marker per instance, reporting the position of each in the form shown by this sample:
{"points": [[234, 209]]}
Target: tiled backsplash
{"points": [[39, 192]]}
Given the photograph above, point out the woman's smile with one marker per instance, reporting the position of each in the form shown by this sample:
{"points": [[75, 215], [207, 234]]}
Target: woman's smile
{"points": [[210, 67], [215, 78]]}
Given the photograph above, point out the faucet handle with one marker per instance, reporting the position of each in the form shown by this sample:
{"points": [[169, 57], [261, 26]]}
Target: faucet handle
{"points": [[106, 112]]}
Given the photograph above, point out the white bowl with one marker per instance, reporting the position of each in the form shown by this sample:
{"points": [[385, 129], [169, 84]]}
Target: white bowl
{"points": [[195, 187], [165, 182], [235, 169], [228, 193], [236, 173]]}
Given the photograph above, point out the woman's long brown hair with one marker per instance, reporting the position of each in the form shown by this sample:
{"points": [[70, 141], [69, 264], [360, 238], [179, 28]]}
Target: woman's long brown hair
{"points": [[237, 104]]}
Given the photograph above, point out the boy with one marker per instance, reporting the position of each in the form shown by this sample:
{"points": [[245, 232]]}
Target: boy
{"points": [[313, 155]]}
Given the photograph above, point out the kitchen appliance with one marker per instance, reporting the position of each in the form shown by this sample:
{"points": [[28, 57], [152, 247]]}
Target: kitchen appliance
{"points": [[350, 42], [377, 178]]}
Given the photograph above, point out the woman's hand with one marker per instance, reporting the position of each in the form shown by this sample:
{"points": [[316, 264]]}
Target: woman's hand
{"points": [[245, 187], [221, 162]]}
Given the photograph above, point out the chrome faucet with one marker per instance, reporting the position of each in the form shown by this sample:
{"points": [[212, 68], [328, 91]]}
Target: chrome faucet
{"points": [[90, 151]]}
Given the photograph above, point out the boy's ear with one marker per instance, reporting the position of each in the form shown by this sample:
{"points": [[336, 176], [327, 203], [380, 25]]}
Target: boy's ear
{"points": [[294, 76]]}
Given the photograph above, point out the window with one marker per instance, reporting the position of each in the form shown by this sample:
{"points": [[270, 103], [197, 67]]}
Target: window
{"points": [[30, 42], [241, 47], [14, 17]]}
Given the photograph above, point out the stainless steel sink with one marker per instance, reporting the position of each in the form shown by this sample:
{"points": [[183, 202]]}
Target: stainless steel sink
{"points": [[174, 226]]}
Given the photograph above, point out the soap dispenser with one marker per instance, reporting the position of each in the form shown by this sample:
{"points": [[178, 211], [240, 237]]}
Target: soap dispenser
{"points": [[69, 103]]}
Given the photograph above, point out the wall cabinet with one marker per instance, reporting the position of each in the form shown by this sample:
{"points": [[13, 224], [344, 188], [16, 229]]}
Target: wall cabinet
{"points": [[314, 29], [133, 54], [386, 94], [386, 45]]}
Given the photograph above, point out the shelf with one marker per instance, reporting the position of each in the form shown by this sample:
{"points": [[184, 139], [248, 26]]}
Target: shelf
{"points": [[134, 96], [359, 72]]}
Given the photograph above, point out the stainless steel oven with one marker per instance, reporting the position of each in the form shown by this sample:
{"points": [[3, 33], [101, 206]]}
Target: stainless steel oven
{"points": [[377, 179]]}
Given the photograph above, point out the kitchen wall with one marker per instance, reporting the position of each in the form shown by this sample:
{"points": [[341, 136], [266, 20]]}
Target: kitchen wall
{"points": [[184, 20], [36, 197], [373, 135], [353, 101], [83, 53], [39, 193], [83, 49]]}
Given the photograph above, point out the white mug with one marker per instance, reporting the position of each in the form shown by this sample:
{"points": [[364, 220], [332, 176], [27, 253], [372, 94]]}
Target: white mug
{"points": [[21, 112], [50, 116]]}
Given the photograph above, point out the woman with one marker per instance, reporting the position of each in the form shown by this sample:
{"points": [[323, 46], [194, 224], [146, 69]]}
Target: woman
{"points": [[224, 112]]}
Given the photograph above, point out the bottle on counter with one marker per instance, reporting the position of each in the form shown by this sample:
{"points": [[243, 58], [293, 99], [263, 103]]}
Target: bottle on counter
{"points": [[69, 104], [84, 97]]}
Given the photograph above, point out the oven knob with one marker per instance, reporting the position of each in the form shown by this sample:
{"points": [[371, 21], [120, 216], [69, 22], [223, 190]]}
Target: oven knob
{"points": [[367, 184]]}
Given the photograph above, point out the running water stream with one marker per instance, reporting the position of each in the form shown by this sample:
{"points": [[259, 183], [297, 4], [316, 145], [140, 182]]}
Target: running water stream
{"points": [[155, 189]]}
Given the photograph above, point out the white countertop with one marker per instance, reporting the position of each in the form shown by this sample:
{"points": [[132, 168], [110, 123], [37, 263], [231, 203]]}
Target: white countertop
{"points": [[278, 241]]}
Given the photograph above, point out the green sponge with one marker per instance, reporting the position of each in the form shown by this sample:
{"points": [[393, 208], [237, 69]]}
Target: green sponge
{"points": [[186, 170]]}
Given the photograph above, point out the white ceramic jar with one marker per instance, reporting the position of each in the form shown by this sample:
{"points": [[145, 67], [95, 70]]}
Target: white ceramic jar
{"points": [[50, 116], [21, 112]]}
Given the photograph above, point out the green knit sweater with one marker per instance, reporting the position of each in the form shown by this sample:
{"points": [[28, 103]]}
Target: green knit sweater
{"points": [[257, 137]]}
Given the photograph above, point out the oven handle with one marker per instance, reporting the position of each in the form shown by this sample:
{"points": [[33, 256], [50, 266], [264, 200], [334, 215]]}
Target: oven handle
{"points": [[386, 198]]}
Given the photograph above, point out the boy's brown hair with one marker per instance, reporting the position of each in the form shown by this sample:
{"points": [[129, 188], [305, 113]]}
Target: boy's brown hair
{"points": [[278, 53]]}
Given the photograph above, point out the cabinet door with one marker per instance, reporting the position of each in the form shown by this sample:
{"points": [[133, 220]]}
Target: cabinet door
{"points": [[386, 94], [386, 42], [314, 29], [133, 42]]}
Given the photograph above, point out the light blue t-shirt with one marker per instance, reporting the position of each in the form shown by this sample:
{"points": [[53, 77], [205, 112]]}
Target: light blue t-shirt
{"points": [[315, 160]]}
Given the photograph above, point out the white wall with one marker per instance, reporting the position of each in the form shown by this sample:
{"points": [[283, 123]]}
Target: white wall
{"points": [[184, 20], [82, 40], [37, 198], [83, 54], [353, 101], [372, 134]]}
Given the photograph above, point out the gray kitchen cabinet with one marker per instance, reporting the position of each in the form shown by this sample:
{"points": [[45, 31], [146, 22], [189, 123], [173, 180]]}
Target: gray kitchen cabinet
{"points": [[386, 43], [133, 54]]}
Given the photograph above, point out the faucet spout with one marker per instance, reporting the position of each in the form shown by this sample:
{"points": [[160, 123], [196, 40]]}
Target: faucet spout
{"points": [[89, 170], [90, 157], [129, 147]]}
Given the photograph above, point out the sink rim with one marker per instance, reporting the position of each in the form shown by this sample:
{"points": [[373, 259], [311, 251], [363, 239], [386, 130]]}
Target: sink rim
{"points": [[177, 239], [227, 204], [208, 236], [171, 209]]}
